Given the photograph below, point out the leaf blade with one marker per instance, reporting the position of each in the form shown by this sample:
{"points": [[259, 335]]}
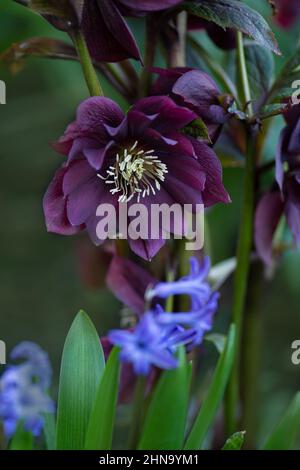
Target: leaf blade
{"points": [[165, 421], [81, 369], [214, 395], [100, 428], [284, 433]]}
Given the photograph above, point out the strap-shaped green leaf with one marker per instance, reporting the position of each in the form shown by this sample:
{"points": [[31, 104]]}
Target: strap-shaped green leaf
{"points": [[282, 438], [214, 396], [165, 421], [81, 370], [101, 424], [50, 430]]}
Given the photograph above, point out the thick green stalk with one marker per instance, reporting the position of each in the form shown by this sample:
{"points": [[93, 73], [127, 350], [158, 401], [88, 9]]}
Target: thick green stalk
{"points": [[89, 72], [243, 249]]}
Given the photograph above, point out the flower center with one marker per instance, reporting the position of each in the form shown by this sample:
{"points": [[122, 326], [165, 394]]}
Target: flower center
{"points": [[135, 172]]}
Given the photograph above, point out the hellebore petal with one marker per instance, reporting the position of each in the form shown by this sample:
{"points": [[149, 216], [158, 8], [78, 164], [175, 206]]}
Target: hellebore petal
{"points": [[292, 204], [169, 116], [128, 281], [199, 90], [108, 37], [214, 191], [288, 12], [267, 217], [55, 209], [96, 112]]}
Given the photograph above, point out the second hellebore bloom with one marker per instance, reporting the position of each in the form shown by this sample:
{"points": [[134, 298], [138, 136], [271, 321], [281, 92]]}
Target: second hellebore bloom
{"points": [[23, 390], [284, 197], [139, 157], [197, 91]]}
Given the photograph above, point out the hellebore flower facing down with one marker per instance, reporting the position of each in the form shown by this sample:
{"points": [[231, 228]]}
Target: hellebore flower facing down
{"points": [[150, 344], [23, 396], [197, 91], [107, 34], [140, 157], [284, 199], [288, 12]]}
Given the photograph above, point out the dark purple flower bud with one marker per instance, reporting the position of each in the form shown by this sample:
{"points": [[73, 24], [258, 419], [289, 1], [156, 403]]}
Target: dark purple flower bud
{"points": [[288, 12], [197, 91], [140, 157], [107, 34]]}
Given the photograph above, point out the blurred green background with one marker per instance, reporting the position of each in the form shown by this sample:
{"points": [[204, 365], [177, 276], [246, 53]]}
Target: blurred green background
{"points": [[41, 274]]}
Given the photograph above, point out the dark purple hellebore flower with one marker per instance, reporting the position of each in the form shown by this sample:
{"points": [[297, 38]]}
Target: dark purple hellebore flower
{"points": [[288, 12], [107, 34], [197, 91], [284, 198], [138, 157]]}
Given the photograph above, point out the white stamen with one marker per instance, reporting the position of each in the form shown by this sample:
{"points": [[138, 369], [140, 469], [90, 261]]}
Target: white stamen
{"points": [[136, 172]]}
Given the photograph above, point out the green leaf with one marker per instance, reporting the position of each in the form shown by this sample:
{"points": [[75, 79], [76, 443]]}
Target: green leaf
{"points": [[215, 394], [81, 370], [49, 430], [22, 440], [100, 428], [260, 66], [165, 421], [218, 341], [237, 15], [235, 442], [50, 48], [283, 85], [283, 436]]}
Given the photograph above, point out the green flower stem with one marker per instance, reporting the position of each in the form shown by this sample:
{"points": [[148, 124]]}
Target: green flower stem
{"points": [[138, 412], [246, 93], [89, 72], [243, 249]]}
